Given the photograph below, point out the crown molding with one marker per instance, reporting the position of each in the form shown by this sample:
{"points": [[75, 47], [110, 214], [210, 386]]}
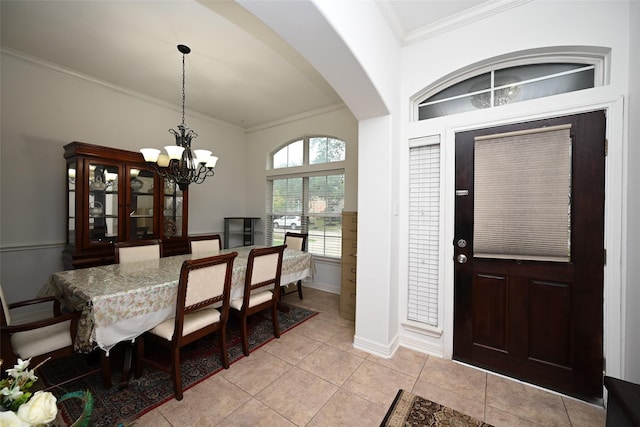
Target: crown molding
{"points": [[441, 26]]}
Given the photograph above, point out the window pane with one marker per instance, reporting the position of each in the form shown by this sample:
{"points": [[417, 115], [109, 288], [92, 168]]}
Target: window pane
{"points": [[522, 193], [287, 196], [291, 155], [280, 158], [324, 150]]}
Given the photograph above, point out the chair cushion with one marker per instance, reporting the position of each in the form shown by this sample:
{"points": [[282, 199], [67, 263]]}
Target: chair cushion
{"points": [[254, 299], [43, 340], [192, 322]]}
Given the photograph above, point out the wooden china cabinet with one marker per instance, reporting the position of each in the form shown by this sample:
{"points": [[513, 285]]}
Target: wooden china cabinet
{"points": [[113, 196]]}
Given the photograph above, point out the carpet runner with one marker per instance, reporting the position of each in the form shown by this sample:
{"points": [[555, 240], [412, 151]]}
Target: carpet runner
{"points": [[411, 410]]}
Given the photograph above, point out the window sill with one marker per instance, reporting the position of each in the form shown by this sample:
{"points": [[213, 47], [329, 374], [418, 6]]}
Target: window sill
{"points": [[422, 328]]}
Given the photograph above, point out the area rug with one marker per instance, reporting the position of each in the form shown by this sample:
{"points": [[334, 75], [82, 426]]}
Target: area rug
{"points": [[408, 409], [200, 360]]}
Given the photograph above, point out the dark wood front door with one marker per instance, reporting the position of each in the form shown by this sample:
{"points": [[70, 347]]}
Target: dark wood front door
{"points": [[530, 318]]}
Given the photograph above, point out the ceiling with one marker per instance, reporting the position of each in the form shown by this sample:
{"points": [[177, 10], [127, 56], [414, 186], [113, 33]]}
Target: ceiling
{"points": [[239, 71]]}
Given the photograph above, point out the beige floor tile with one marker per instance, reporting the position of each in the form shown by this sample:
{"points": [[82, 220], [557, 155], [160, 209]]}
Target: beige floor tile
{"points": [[526, 402], [291, 347], [584, 414], [298, 395], [347, 409], [285, 394], [331, 364], [316, 328], [255, 414], [213, 399], [343, 340], [463, 403], [498, 418], [377, 383], [458, 378], [404, 360], [256, 371], [152, 419]]}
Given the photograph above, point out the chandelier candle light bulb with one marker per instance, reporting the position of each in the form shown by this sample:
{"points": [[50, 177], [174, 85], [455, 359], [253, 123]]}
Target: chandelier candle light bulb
{"points": [[181, 165]]}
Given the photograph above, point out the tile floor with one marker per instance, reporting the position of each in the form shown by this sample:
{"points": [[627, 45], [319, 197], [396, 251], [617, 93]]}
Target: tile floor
{"points": [[312, 376]]}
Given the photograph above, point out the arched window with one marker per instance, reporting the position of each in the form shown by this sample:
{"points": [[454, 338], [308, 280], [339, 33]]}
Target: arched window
{"points": [[516, 79], [305, 192]]}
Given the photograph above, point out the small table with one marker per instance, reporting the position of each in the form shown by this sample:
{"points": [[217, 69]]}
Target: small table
{"points": [[119, 302]]}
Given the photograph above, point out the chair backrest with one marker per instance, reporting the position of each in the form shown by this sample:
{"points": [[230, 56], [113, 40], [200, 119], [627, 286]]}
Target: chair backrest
{"points": [[210, 243], [138, 250], [6, 316], [264, 268], [203, 282], [297, 241]]}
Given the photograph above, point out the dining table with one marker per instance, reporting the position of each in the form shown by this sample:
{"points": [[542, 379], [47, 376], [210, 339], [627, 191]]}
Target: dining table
{"points": [[119, 302]]}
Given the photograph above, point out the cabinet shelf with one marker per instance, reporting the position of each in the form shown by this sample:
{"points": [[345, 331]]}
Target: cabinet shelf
{"points": [[239, 231]]}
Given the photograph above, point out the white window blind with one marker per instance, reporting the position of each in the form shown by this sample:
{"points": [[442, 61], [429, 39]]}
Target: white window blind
{"points": [[522, 195], [424, 233]]}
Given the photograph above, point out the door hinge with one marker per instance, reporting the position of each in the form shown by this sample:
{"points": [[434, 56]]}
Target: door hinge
{"points": [[605, 256], [606, 147]]}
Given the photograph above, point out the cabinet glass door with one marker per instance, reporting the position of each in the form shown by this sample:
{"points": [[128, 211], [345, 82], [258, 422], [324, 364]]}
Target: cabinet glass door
{"points": [[103, 203], [141, 204], [71, 200], [172, 211]]}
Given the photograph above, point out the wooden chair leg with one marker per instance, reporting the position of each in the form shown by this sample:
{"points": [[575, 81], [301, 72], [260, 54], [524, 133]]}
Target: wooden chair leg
{"points": [[223, 346], [245, 336], [299, 284], [176, 373], [274, 317], [105, 368], [139, 355]]}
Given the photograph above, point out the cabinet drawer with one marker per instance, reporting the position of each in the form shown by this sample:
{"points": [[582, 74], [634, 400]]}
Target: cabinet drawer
{"points": [[348, 273], [348, 306], [349, 251], [349, 232]]}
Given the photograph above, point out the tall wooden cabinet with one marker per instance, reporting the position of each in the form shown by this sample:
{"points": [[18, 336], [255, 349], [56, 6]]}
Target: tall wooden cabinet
{"points": [[349, 258], [112, 196]]}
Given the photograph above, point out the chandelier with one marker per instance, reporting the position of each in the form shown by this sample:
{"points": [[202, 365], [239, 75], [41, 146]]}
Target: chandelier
{"points": [[181, 165]]}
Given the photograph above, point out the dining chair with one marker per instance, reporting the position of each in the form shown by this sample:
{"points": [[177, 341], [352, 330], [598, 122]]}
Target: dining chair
{"points": [[138, 250], [203, 283], [37, 340], [297, 241], [210, 243], [261, 289], [126, 253]]}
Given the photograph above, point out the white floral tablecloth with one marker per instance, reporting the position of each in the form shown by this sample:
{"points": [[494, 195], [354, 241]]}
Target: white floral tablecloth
{"points": [[121, 301]]}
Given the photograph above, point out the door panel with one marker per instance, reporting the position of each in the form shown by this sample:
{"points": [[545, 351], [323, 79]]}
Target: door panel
{"points": [[536, 320]]}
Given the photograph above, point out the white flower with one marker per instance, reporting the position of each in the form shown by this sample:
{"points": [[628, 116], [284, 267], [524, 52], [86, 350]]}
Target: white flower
{"points": [[12, 392], [17, 369], [40, 409], [10, 419]]}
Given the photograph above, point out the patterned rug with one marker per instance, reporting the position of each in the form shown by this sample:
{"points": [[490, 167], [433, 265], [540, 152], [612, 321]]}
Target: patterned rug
{"points": [[200, 360], [410, 410]]}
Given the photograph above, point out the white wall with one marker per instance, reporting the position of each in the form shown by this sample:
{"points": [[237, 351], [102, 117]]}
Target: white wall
{"points": [[632, 279], [44, 108], [337, 122]]}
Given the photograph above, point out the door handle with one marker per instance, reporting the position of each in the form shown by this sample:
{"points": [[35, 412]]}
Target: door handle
{"points": [[462, 258]]}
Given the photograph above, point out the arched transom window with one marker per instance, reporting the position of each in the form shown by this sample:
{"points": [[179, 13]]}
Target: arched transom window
{"points": [[511, 81]]}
